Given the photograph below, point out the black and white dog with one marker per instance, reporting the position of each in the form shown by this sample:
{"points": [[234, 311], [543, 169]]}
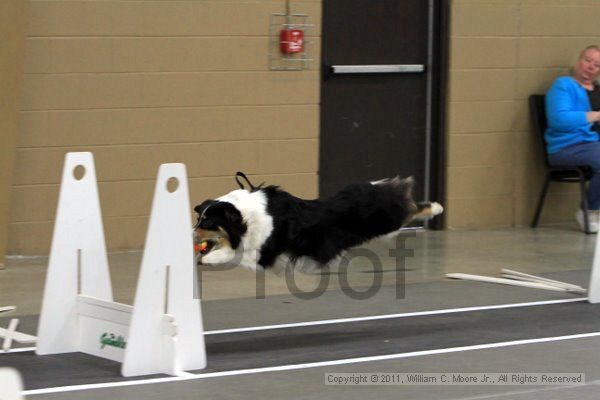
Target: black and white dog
{"points": [[265, 225]]}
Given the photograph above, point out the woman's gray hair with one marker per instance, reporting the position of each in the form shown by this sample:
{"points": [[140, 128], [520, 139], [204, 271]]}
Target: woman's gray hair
{"points": [[591, 47]]}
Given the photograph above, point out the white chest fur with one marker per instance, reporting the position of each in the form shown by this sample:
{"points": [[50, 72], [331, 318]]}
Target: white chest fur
{"points": [[253, 207]]}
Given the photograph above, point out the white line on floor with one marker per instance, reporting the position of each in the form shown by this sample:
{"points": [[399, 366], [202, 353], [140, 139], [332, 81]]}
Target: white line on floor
{"points": [[310, 365], [391, 316], [372, 318]]}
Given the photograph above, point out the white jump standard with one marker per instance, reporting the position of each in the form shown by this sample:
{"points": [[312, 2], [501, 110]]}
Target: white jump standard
{"points": [[162, 332], [11, 384]]}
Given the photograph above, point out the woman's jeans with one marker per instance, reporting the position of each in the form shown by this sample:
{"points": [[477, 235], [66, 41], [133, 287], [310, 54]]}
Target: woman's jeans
{"points": [[580, 154]]}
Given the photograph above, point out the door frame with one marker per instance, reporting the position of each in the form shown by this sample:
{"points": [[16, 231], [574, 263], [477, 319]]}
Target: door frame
{"points": [[438, 60], [439, 102]]}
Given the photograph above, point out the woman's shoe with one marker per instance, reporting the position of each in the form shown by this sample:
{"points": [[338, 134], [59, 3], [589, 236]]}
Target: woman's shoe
{"points": [[592, 220]]}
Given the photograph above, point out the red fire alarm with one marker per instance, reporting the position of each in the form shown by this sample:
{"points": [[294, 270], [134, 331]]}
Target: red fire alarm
{"points": [[291, 41]]}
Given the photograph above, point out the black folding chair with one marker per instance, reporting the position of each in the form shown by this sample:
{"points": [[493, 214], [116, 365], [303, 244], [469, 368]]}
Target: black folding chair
{"points": [[565, 174]]}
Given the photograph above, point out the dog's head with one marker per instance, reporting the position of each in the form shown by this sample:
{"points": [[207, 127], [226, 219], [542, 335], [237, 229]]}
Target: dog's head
{"points": [[221, 225]]}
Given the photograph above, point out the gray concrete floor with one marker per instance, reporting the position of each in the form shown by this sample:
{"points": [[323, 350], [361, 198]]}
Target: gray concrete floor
{"points": [[435, 253], [230, 300], [310, 383]]}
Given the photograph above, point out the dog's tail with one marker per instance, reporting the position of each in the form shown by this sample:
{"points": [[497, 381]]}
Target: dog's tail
{"points": [[401, 186]]}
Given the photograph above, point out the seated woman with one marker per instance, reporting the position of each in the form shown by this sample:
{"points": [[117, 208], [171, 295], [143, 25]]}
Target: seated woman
{"points": [[572, 105]]}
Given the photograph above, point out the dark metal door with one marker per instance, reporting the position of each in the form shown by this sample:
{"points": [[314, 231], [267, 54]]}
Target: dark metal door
{"points": [[377, 92]]}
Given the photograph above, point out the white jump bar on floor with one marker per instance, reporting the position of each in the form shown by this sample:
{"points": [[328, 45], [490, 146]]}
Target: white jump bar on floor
{"points": [[511, 282], [9, 334], [7, 309], [511, 274]]}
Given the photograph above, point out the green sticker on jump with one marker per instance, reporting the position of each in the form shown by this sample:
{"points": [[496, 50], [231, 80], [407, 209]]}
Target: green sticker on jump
{"points": [[109, 339]]}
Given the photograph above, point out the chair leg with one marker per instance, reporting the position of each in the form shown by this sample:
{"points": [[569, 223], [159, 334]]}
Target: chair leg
{"points": [[584, 203], [538, 210]]}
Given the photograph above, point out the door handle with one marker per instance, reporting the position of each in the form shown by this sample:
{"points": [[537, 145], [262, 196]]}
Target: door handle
{"points": [[377, 69]]}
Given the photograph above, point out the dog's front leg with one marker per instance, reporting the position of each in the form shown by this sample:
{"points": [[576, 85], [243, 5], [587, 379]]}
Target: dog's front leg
{"points": [[250, 262]]}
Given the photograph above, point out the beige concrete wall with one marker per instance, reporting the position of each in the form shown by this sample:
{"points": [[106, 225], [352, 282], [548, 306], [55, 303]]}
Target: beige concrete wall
{"points": [[12, 33], [140, 83], [501, 52]]}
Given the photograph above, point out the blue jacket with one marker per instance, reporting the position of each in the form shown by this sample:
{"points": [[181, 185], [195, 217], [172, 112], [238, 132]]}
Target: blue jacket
{"points": [[566, 104]]}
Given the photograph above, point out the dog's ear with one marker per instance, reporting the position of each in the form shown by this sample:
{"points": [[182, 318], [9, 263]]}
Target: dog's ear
{"points": [[231, 221], [201, 207]]}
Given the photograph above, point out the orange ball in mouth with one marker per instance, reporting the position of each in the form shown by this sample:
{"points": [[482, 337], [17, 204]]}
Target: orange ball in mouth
{"points": [[203, 247]]}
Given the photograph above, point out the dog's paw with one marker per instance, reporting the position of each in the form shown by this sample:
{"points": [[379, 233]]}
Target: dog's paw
{"points": [[436, 209], [219, 256], [428, 210]]}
